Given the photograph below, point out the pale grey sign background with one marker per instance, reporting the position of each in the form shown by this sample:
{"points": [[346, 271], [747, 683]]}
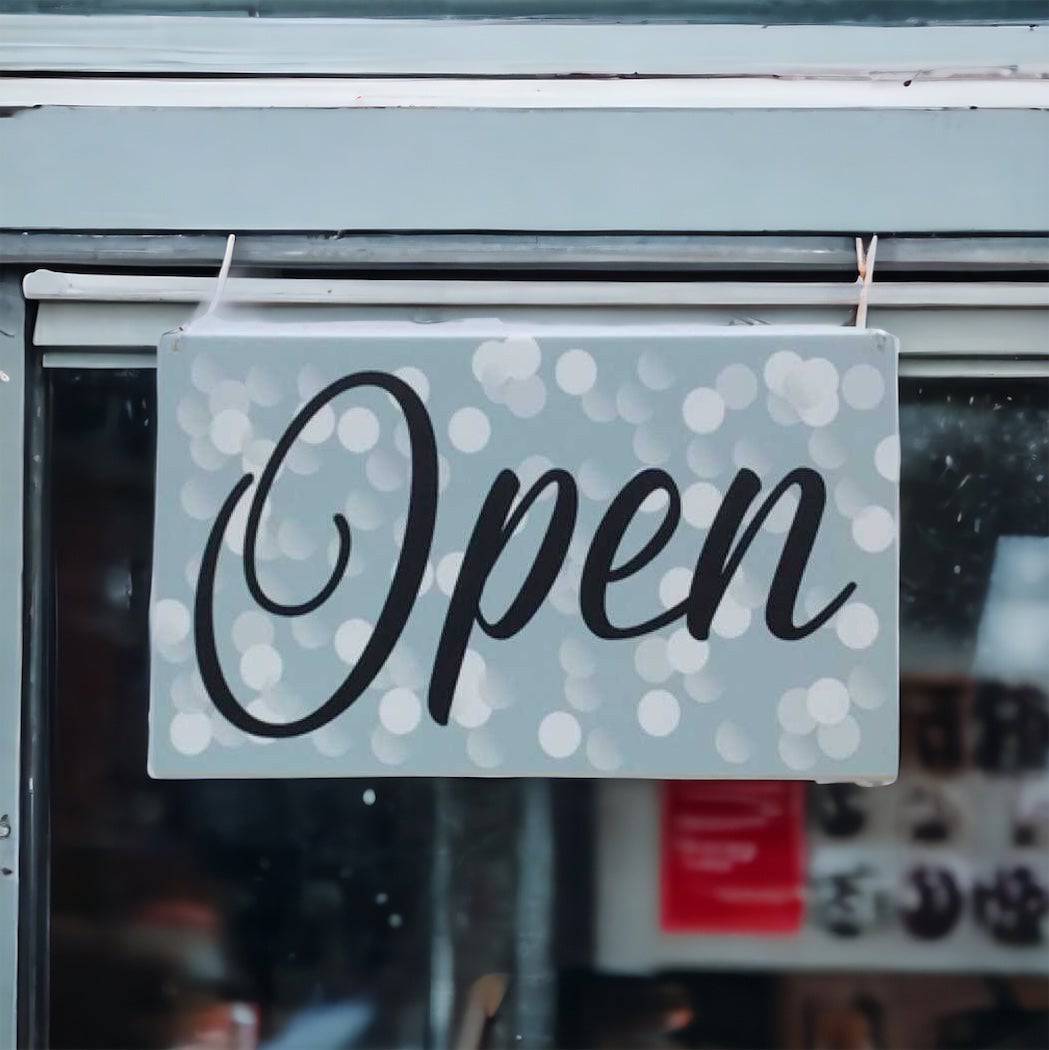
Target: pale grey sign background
{"points": [[554, 700]]}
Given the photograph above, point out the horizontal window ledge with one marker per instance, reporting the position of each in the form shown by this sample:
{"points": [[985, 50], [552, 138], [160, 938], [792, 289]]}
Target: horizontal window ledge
{"points": [[155, 288], [361, 47]]}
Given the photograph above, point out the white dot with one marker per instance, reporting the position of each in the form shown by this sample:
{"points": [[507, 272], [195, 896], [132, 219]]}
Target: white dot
{"points": [[857, 625], [746, 590], [685, 653], [187, 692], [332, 741], [849, 498], [593, 481], [482, 749], [351, 637], [651, 448], [525, 397], [583, 693], [737, 385], [731, 743], [294, 541], [797, 752], [469, 430], [703, 410], [826, 450], [576, 372], [368, 796], [781, 411], [873, 529], [205, 455], [495, 689], [822, 412], [384, 470], [261, 667], [703, 687], [576, 658], [310, 381], [841, 739], [363, 511], [700, 503], [469, 708], [654, 501], [863, 387], [416, 379], [257, 454], [531, 469], [781, 516], [176, 654], [633, 404], [204, 373], [387, 748], [658, 712], [731, 618], [650, 659], [809, 385], [229, 394], [252, 628], [190, 732], [865, 690], [192, 416], [602, 752], [230, 431], [747, 453], [654, 372], [301, 459], [320, 427], [262, 387], [495, 360], [429, 575], [674, 586], [777, 368], [887, 458], [559, 734], [358, 429], [310, 631], [171, 622], [598, 407], [827, 701], [793, 712], [704, 458], [404, 669], [400, 711], [448, 571]]}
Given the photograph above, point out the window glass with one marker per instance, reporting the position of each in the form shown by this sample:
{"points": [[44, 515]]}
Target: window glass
{"points": [[411, 913], [758, 12]]}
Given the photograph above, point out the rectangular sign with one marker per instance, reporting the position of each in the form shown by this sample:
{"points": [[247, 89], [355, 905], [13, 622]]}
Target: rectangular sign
{"points": [[472, 549]]}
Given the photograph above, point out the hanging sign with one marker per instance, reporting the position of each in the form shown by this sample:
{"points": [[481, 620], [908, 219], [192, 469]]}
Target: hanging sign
{"points": [[477, 550]]}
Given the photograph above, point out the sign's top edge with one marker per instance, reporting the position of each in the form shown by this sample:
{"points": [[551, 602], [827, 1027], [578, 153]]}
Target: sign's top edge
{"points": [[225, 326]]}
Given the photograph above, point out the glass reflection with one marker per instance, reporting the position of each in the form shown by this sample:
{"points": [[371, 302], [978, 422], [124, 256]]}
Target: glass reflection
{"points": [[411, 913]]}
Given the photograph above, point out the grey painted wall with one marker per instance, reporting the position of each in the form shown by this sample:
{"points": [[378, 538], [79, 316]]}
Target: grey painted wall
{"points": [[556, 170]]}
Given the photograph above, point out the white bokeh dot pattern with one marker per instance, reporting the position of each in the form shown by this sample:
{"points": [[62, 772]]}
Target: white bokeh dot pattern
{"points": [[554, 699]]}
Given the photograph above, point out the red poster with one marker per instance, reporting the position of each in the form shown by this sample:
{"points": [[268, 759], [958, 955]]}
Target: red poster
{"points": [[733, 856]]}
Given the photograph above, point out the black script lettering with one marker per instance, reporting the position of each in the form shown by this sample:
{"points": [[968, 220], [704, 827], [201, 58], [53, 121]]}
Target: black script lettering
{"points": [[404, 588], [598, 570], [719, 559], [490, 535]]}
